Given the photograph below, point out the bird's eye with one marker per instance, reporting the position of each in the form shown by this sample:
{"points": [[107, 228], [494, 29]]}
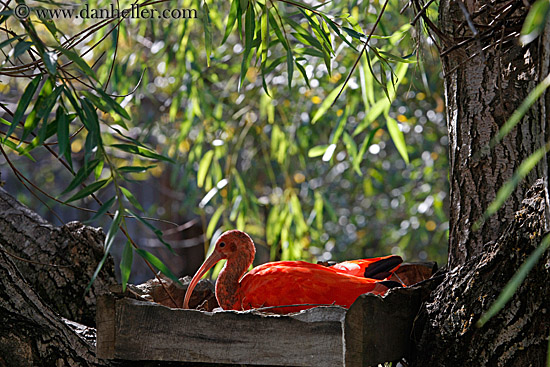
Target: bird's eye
{"points": [[222, 244]]}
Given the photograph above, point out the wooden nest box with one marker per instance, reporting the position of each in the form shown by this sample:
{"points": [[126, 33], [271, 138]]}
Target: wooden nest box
{"points": [[374, 330]]}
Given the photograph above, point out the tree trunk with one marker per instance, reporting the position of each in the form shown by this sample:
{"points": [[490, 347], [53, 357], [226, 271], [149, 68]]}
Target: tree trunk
{"points": [[517, 335], [57, 262], [485, 82], [488, 74], [31, 333], [43, 273]]}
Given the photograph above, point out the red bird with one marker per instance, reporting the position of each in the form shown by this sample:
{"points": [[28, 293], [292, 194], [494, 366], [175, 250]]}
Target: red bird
{"points": [[284, 283]]}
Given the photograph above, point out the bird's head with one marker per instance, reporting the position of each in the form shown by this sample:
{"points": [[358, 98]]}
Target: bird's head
{"points": [[232, 245]]}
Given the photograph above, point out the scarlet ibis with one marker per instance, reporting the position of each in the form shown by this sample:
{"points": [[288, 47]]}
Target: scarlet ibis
{"points": [[283, 283]]}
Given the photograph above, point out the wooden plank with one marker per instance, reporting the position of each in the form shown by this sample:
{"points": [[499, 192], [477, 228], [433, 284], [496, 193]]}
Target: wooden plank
{"points": [[377, 329], [147, 331], [105, 323]]}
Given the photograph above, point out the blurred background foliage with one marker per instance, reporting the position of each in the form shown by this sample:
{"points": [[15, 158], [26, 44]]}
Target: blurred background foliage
{"points": [[233, 118]]}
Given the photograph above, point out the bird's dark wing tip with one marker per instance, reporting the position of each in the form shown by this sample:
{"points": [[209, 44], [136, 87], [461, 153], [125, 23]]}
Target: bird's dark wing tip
{"points": [[381, 276], [382, 267]]}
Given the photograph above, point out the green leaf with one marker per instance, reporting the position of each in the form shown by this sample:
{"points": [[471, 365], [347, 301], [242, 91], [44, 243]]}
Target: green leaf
{"points": [[81, 175], [83, 65], [90, 189], [115, 106], [318, 207], [32, 120], [249, 30], [274, 63], [50, 60], [367, 85], [296, 207], [155, 261], [155, 230], [277, 29], [351, 146], [207, 31], [214, 221], [10, 40], [99, 169], [75, 105], [354, 33], [337, 31], [104, 208], [131, 198], [515, 282], [397, 137], [244, 4], [231, 19], [106, 103], [383, 104], [21, 48], [340, 128], [321, 35], [135, 169], [265, 33], [47, 131], [42, 112], [50, 24], [236, 207], [327, 103], [290, 66], [62, 131], [142, 151], [307, 39], [10, 144], [204, 165], [126, 264], [317, 151], [535, 21], [113, 229], [23, 104], [91, 121], [304, 73], [396, 58]]}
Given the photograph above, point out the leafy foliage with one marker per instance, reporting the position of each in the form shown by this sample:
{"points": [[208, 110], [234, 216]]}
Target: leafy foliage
{"points": [[245, 109]]}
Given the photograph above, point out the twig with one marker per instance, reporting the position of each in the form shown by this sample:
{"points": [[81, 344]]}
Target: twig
{"points": [[297, 305], [365, 45], [421, 12], [468, 18]]}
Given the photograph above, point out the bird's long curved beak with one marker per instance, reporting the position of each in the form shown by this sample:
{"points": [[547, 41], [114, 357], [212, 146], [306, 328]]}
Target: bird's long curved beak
{"points": [[208, 263]]}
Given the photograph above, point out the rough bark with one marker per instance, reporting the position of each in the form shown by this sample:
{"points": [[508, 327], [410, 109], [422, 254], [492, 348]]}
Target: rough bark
{"points": [[31, 333], [486, 79], [57, 262], [517, 335]]}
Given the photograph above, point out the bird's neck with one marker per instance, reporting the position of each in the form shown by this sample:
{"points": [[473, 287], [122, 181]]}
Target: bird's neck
{"points": [[228, 286]]}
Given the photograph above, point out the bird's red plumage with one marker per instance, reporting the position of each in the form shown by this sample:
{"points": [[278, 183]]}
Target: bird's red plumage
{"points": [[285, 283], [298, 282]]}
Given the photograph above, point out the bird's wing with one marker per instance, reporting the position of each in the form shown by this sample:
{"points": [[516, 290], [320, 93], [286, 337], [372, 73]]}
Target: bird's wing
{"points": [[374, 268], [301, 283]]}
